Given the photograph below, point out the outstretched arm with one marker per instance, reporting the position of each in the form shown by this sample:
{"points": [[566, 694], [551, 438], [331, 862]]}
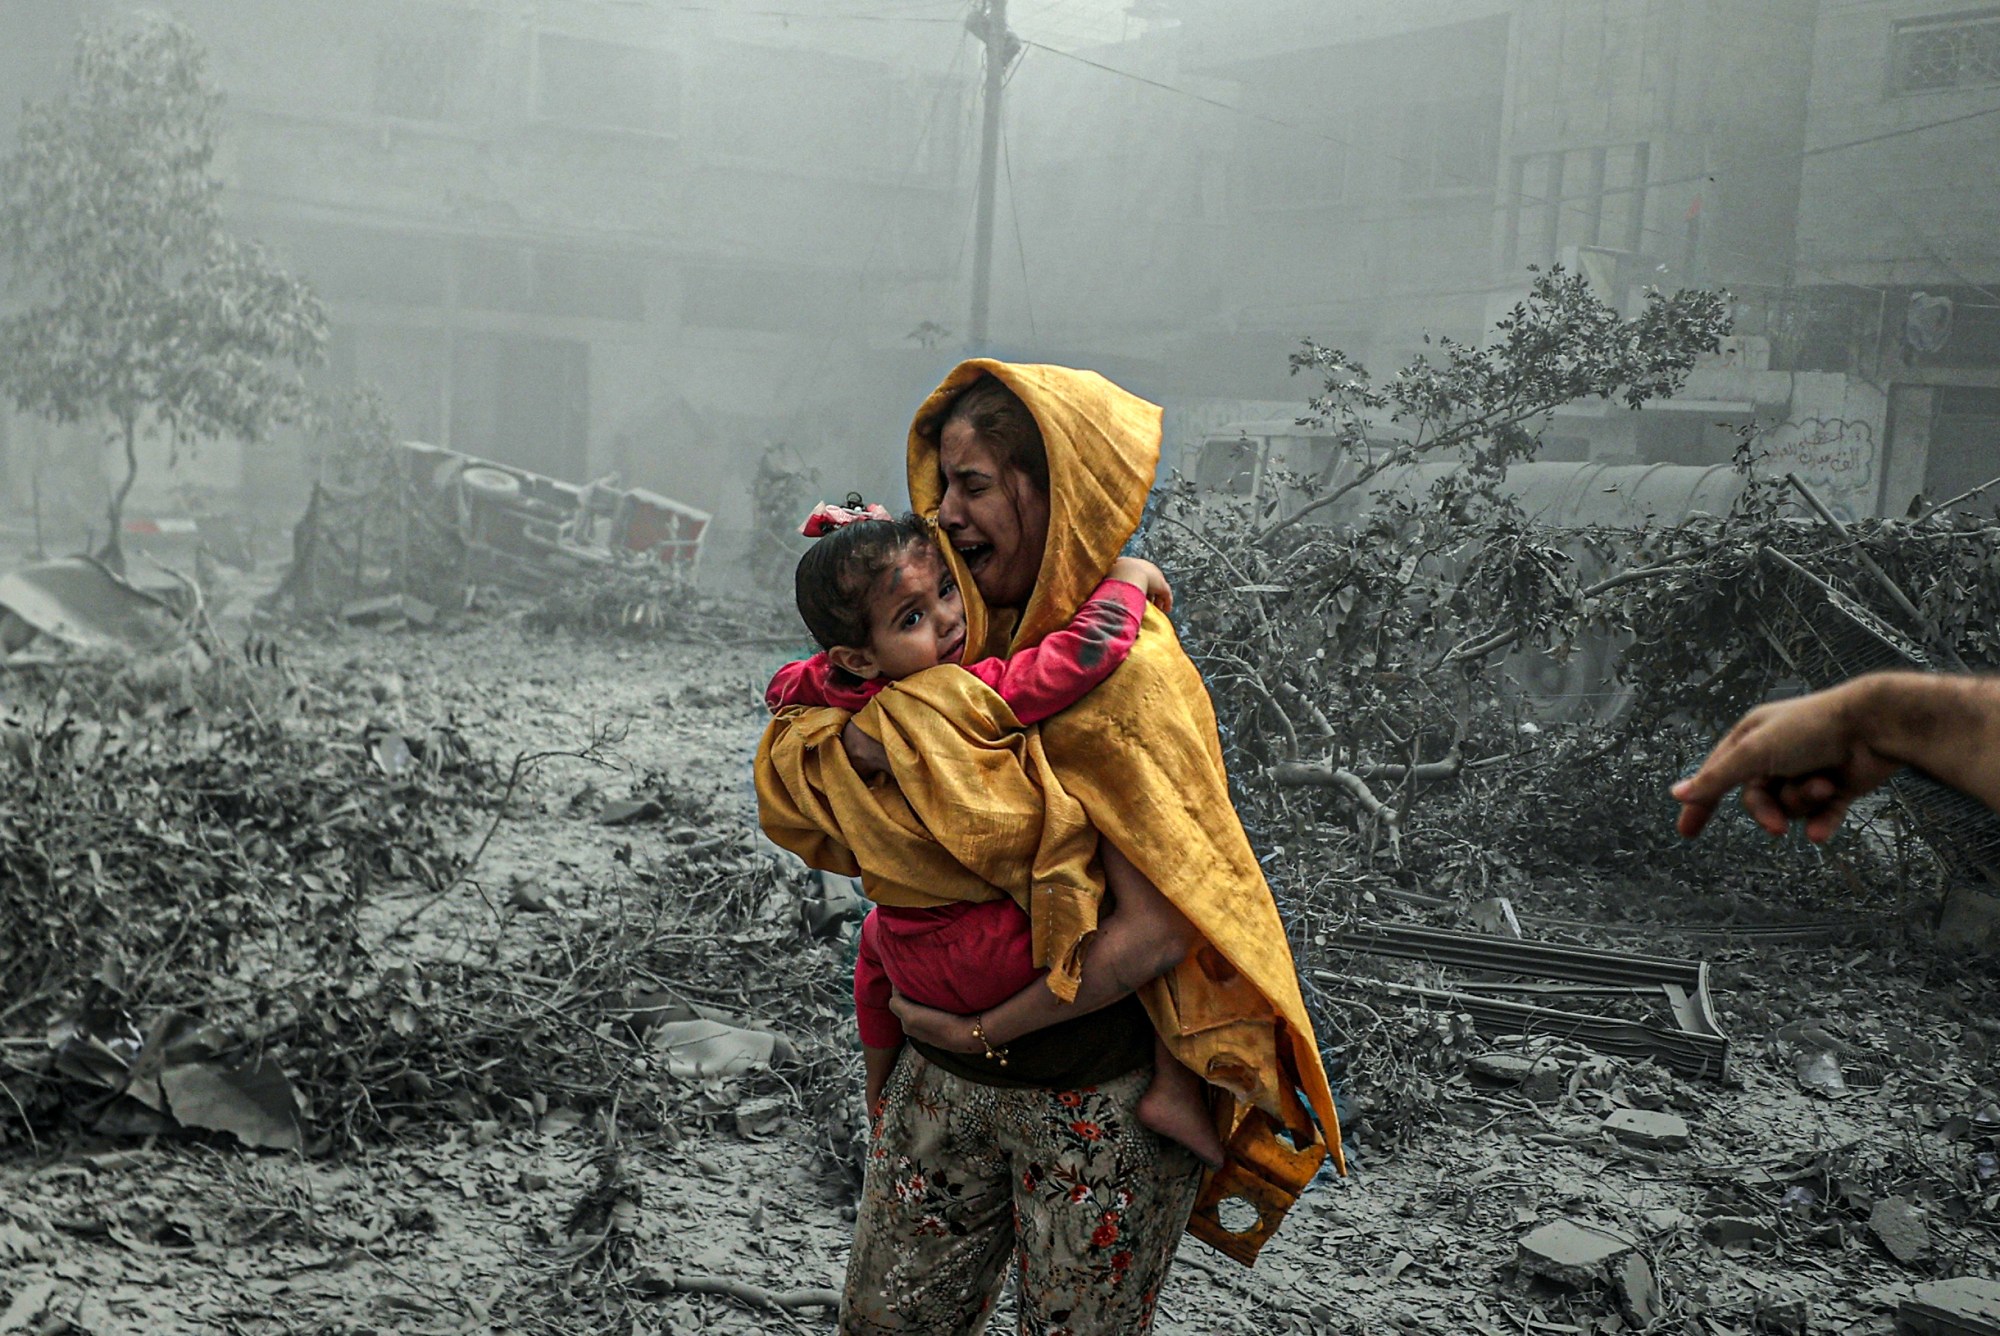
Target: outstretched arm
{"points": [[1808, 759], [1142, 938]]}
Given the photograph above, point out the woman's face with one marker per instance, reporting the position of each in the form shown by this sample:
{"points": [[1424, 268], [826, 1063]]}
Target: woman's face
{"points": [[993, 515]]}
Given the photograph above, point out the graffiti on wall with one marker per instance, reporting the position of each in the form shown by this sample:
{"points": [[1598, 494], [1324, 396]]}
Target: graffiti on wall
{"points": [[1837, 457]]}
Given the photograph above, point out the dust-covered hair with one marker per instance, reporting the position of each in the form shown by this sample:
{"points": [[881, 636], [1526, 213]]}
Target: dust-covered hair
{"points": [[837, 572], [996, 414]]}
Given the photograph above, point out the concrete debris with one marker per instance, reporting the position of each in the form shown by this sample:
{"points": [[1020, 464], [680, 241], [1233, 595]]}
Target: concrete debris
{"points": [[1964, 1306], [628, 811], [1783, 1314], [389, 611], [84, 605], [1638, 1292], [1496, 917], [1540, 1079], [1645, 1128], [1733, 1233], [1820, 1072], [1901, 1228], [1572, 1253], [1666, 1220]]}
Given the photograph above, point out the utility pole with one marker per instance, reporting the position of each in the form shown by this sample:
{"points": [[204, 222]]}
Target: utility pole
{"points": [[989, 24]]}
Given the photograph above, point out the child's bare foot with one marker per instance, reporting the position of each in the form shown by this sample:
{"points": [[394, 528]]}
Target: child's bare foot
{"points": [[1173, 1106]]}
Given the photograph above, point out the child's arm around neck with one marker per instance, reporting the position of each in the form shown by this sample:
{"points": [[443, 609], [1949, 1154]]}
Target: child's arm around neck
{"points": [[1047, 678]]}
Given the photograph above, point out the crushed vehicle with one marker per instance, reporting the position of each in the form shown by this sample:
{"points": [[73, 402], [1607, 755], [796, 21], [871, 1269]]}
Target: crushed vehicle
{"points": [[430, 524]]}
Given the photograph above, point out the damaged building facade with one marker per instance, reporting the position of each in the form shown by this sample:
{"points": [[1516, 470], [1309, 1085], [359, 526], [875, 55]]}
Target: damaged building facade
{"points": [[1382, 173], [580, 238]]}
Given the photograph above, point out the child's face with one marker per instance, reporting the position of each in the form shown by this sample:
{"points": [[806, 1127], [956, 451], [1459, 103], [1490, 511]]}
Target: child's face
{"points": [[915, 619]]}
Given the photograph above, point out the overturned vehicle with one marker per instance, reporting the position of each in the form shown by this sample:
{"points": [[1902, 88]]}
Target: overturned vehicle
{"points": [[427, 526]]}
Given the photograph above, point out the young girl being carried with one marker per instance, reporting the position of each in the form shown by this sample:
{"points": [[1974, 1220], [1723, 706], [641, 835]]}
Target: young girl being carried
{"points": [[877, 595]]}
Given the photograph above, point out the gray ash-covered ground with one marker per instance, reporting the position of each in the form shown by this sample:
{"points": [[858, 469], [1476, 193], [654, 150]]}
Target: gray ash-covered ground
{"points": [[728, 1187]]}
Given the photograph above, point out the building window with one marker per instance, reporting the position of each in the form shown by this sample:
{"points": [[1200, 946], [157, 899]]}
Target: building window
{"points": [[1576, 197], [426, 65], [540, 280], [1953, 53], [1450, 146], [607, 86]]}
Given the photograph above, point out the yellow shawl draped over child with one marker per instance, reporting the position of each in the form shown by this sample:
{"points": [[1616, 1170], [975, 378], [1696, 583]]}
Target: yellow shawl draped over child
{"points": [[978, 809]]}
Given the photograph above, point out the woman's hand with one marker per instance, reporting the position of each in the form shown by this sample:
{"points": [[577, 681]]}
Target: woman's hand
{"points": [[939, 1029], [864, 753], [1152, 581]]}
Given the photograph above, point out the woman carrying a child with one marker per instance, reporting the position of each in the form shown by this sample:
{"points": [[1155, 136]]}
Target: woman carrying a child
{"points": [[1044, 739]]}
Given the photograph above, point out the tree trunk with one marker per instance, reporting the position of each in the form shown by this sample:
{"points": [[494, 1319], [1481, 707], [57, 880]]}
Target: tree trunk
{"points": [[114, 543]]}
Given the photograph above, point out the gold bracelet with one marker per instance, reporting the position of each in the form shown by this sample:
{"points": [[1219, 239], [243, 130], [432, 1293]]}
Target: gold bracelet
{"points": [[993, 1054]]}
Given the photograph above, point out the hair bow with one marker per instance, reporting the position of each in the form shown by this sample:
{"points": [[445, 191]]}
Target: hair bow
{"points": [[826, 517]]}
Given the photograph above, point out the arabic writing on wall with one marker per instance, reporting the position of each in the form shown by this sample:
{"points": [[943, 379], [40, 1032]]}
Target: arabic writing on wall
{"points": [[1836, 457]]}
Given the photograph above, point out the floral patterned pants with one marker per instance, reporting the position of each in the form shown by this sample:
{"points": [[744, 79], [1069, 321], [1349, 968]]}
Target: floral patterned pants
{"points": [[962, 1178]]}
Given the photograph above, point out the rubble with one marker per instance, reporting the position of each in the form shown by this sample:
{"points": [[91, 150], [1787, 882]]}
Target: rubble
{"points": [[1693, 1043], [1647, 1129], [1962, 1306], [1783, 1314], [1571, 1253], [85, 606], [389, 611], [1539, 1078], [1901, 1229], [1638, 1291], [1739, 1232]]}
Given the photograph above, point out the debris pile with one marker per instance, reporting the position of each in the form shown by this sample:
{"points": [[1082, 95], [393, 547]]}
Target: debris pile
{"points": [[204, 887]]}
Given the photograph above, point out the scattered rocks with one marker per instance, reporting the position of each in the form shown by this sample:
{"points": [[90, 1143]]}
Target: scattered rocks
{"points": [[1571, 1253], [1965, 1306], [1901, 1229], [1653, 1131]]}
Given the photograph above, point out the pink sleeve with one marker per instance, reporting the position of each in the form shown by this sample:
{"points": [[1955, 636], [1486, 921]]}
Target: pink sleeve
{"points": [[878, 1025], [1048, 678], [814, 682], [797, 684]]}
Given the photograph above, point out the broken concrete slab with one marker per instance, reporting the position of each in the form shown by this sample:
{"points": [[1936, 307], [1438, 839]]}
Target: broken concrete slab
{"points": [[1638, 1291], [1539, 1078], [1649, 1129], [1572, 1253], [1963, 1306], [1901, 1229], [85, 605]]}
